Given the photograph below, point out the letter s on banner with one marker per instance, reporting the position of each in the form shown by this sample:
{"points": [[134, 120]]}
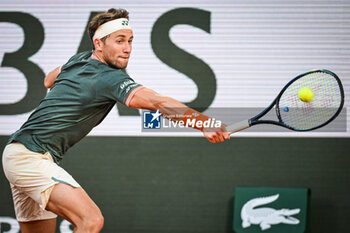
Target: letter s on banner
{"points": [[182, 61]]}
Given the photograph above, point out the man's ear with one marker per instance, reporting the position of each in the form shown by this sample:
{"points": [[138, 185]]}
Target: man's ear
{"points": [[98, 44]]}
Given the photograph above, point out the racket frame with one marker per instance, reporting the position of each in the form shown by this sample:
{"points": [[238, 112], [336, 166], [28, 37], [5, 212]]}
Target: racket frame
{"points": [[255, 120]]}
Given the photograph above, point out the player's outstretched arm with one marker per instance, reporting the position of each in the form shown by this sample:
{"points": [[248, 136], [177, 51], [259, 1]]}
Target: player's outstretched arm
{"points": [[151, 100], [51, 77]]}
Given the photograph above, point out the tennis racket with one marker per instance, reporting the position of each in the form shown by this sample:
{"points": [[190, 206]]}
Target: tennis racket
{"points": [[295, 114]]}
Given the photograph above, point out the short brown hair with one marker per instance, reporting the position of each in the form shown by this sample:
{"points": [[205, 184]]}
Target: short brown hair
{"points": [[104, 17]]}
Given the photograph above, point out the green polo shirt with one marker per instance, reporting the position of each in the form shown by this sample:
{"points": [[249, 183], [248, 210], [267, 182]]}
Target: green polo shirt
{"points": [[83, 94]]}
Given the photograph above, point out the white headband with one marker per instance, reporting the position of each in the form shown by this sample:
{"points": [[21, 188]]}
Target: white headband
{"points": [[110, 27]]}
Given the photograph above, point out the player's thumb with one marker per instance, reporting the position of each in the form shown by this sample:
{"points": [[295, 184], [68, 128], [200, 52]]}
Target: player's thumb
{"points": [[227, 136]]}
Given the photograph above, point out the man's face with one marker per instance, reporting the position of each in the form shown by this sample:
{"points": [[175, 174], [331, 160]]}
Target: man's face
{"points": [[117, 48]]}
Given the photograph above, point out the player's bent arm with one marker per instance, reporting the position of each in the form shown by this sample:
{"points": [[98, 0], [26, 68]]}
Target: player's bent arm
{"points": [[148, 99], [51, 77]]}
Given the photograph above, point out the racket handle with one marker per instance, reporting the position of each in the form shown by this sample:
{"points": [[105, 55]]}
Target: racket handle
{"points": [[238, 126]]}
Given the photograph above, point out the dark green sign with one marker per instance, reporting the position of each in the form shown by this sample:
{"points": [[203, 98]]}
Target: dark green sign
{"points": [[270, 210]]}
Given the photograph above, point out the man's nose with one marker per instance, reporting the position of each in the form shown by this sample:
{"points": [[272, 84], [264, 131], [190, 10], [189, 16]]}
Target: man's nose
{"points": [[127, 48]]}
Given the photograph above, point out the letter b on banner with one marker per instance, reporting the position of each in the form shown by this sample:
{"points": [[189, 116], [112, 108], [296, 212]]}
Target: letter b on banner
{"points": [[33, 40]]}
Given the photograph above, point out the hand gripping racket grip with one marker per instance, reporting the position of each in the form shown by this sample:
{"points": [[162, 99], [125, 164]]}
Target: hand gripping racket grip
{"points": [[238, 126]]}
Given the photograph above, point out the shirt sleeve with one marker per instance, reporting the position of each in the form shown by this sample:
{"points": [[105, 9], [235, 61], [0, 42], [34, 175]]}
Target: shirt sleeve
{"points": [[119, 86]]}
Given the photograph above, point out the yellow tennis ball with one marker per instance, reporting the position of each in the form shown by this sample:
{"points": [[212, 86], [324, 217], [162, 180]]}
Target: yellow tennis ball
{"points": [[305, 94]]}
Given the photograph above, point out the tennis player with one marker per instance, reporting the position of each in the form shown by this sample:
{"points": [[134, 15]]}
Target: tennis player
{"points": [[83, 91]]}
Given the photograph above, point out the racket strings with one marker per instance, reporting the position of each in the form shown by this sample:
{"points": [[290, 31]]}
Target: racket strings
{"points": [[323, 106]]}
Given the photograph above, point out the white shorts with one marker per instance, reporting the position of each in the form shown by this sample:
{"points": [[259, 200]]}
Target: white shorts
{"points": [[32, 177]]}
